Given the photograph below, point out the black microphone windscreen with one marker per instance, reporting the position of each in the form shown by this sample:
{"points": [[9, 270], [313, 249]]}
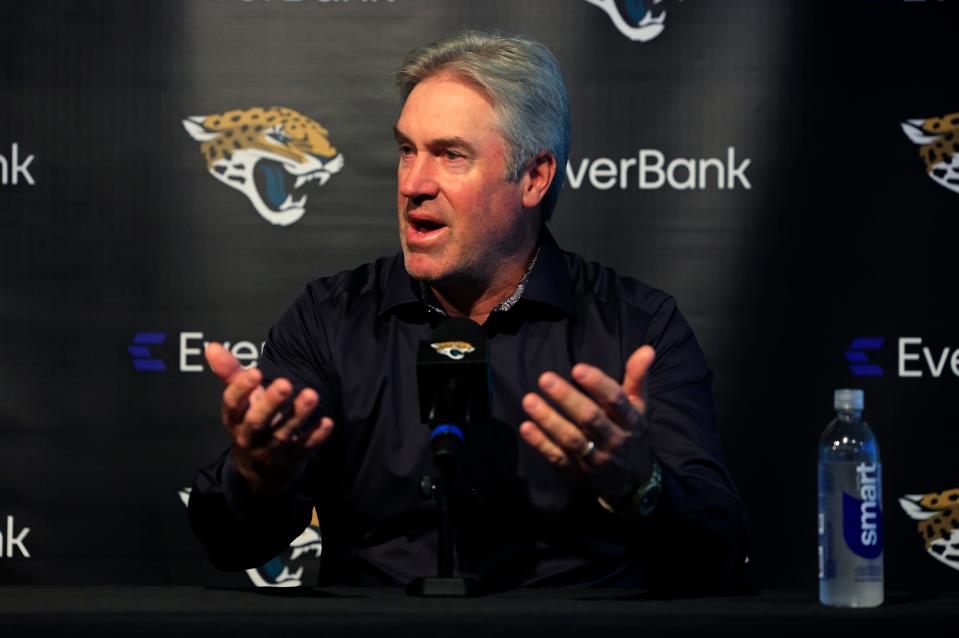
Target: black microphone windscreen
{"points": [[455, 356]]}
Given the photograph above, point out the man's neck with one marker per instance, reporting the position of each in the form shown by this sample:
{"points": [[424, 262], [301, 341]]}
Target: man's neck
{"points": [[476, 300]]}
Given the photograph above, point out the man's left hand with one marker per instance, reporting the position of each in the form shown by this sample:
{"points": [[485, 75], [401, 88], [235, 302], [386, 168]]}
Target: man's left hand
{"points": [[598, 436]]}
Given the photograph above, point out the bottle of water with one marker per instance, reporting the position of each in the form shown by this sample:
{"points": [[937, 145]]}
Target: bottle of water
{"points": [[850, 508]]}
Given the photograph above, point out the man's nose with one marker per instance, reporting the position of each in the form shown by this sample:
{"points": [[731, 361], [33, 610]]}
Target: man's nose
{"points": [[418, 178]]}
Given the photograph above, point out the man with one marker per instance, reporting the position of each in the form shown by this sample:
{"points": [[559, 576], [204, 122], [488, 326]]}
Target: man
{"points": [[600, 463]]}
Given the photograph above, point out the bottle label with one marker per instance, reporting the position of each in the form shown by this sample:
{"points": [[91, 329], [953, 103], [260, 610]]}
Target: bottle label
{"points": [[862, 513]]}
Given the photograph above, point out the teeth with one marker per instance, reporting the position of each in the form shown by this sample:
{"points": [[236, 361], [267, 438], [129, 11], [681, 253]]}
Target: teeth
{"points": [[286, 575], [320, 176], [289, 203], [309, 549]]}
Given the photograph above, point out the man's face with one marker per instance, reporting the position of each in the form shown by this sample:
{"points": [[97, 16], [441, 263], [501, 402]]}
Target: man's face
{"points": [[460, 218]]}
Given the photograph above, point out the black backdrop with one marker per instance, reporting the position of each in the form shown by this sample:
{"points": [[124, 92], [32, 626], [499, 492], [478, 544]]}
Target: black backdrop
{"points": [[833, 231]]}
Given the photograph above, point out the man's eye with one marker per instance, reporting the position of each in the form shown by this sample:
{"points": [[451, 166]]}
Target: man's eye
{"points": [[452, 155], [405, 150]]}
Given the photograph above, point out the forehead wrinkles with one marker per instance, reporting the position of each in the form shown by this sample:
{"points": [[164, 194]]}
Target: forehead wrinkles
{"points": [[463, 79]]}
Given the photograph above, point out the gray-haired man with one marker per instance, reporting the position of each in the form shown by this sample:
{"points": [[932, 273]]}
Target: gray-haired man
{"points": [[601, 463]]}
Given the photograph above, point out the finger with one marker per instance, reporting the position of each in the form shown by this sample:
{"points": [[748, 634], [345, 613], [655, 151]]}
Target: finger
{"points": [[558, 428], [303, 407], [542, 444], [320, 434], [581, 410], [222, 362], [261, 414], [634, 382], [268, 409], [237, 396], [609, 394]]}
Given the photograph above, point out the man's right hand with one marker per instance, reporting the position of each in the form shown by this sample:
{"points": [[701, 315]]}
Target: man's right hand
{"points": [[267, 449]]}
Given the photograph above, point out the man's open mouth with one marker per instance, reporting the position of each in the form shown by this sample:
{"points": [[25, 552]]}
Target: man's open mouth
{"points": [[425, 226]]}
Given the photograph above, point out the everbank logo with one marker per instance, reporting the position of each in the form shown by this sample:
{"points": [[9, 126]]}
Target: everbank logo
{"points": [[11, 540], [914, 359], [650, 170], [15, 168], [317, 2], [146, 351]]}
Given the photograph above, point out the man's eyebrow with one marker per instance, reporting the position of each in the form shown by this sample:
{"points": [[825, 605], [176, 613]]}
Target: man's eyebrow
{"points": [[441, 142], [399, 136], [453, 142]]}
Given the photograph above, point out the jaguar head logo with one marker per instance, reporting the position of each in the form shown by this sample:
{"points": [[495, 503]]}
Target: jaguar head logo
{"points": [[288, 568], [938, 140], [938, 516], [634, 18], [455, 350], [273, 156]]}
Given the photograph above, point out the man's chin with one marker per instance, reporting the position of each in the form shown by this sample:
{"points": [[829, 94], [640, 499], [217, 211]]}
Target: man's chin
{"points": [[422, 268]]}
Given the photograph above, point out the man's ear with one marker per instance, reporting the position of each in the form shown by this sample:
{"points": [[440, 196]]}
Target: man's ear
{"points": [[539, 174]]}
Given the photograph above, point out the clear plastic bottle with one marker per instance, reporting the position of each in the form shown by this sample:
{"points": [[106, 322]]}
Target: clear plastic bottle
{"points": [[850, 508]]}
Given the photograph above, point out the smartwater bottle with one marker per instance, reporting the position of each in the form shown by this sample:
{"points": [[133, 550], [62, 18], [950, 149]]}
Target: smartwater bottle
{"points": [[850, 508]]}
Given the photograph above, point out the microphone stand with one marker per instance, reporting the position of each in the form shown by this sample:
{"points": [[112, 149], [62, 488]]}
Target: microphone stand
{"points": [[444, 584], [446, 441]]}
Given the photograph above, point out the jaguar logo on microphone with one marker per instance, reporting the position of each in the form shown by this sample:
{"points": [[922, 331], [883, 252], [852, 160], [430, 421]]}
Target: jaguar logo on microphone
{"points": [[455, 350]]}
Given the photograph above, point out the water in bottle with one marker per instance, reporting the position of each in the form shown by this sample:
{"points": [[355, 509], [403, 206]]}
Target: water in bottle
{"points": [[850, 508]]}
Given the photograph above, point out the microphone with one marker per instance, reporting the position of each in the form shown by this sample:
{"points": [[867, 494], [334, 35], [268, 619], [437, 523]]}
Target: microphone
{"points": [[453, 379]]}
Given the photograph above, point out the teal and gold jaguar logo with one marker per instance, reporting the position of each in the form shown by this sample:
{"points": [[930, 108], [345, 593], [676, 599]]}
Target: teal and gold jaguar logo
{"points": [[271, 155], [634, 18], [937, 514], [938, 140], [455, 350], [288, 569]]}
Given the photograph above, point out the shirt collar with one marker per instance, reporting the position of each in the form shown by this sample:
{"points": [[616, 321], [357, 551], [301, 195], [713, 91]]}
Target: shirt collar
{"points": [[547, 281], [400, 288]]}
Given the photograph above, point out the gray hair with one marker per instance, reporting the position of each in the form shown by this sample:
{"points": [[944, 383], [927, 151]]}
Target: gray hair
{"points": [[521, 78]]}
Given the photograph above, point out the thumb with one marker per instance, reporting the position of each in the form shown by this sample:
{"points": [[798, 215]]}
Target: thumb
{"points": [[222, 362], [637, 366]]}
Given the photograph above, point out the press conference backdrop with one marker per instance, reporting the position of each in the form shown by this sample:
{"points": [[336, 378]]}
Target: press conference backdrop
{"points": [[788, 170]]}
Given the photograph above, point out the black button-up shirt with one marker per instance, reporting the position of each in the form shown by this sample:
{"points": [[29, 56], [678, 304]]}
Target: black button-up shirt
{"points": [[353, 337]]}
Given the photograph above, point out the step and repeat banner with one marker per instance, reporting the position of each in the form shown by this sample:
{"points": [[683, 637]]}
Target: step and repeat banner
{"points": [[789, 171]]}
